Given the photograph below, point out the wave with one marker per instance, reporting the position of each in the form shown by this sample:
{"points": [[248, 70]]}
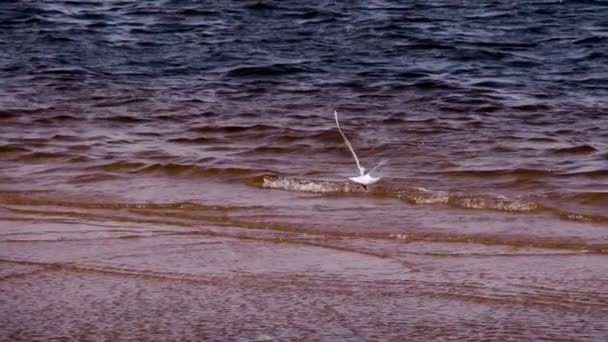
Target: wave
{"points": [[120, 165], [65, 137], [56, 119], [95, 177], [500, 172], [430, 45], [194, 12], [493, 203], [269, 133], [574, 216], [267, 70], [488, 239], [34, 199], [590, 173], [6, 149], [535, 108], [174, 168], [435, 84], [418, 195], [414, 195], [591, 40], [592, 197], [260, 6], [233, 129], [16, 113], [194, 141], [307, 185], [527, 172], [123, 119], [272, 150], [6, 115], [180, 169], [579, 149], [35, 156]]}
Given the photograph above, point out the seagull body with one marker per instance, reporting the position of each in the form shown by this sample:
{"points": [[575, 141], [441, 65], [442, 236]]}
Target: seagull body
{"points": [[364, 178]]}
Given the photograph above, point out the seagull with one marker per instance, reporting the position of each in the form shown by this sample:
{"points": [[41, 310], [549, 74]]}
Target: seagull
{"points": [[364, 178]]}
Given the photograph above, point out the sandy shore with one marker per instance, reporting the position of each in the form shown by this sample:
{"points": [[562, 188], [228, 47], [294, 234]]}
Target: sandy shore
{"points": [[105, 283]]}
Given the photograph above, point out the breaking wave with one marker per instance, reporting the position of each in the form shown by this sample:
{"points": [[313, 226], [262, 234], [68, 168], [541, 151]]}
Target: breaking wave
{"points": [[422, 196]]}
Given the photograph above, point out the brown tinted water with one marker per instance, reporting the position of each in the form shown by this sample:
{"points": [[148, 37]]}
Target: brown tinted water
{"points": [[174, 173]]}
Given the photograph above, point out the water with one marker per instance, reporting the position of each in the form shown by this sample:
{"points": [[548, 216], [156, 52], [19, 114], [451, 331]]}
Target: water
{"points": [[165, 161]]}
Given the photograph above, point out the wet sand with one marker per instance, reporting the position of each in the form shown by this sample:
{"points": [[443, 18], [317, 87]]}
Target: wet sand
{"points": [[142, 281]]}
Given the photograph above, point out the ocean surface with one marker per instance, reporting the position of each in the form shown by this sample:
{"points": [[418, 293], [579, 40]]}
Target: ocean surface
{"points": [[173, 170]]}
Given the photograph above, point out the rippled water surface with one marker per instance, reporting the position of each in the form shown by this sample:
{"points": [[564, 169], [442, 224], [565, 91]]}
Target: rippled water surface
{"points": [[172, 169]]}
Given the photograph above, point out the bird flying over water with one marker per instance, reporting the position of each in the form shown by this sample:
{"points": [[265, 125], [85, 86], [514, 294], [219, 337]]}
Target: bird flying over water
{"points": [[364, 178]]}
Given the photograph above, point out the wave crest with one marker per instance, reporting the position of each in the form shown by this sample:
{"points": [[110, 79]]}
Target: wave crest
{"points": [[422, 196]]}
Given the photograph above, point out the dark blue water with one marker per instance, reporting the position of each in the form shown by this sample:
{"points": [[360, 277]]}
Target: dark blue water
{"points": [[529, 56], [193, 118]]}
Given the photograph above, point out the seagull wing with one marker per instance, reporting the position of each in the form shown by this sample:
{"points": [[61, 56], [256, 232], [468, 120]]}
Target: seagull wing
{"points": [[350, 147], [381, 163]]}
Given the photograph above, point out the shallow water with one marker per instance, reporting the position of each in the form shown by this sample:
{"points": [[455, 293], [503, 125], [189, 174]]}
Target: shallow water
{"points": [[178, 165]]}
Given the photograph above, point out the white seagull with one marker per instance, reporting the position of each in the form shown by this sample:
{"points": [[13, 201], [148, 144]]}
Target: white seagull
{"points": [[364, 178]]}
